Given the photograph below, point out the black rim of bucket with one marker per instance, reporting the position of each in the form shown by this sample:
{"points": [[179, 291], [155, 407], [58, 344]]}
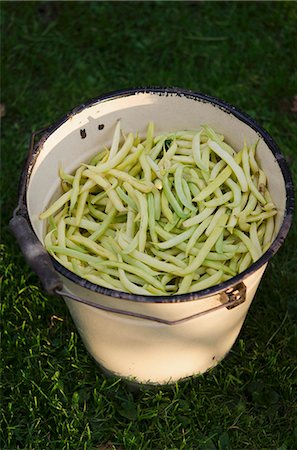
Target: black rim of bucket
{"points": [[204, 98]]}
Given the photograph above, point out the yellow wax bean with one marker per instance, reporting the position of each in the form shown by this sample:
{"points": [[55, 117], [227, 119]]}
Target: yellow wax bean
{"points": [[197, 233], [115, 141], [92, 246], [129, 285], [267, 240], [75, 187], [244, 262], [180, 190], [236, 193], [146, 168], [167, 257], [185, 284], [82, 199], [176, 239], [198, 218], [65, 176], [207, 246], [219, 166], [158, 265], [223, 199], [61, 236], [246, 169], [237, 170], [196, 148], [261, 216], [207, 282], [215, 220], [166, 211], [103, 226], [151, 217], [117, 158], [142, 186], [252, 160], [248, 243], [131, 159], [142, 204], [149, 137], [213, 185], [108, 188], [56, 205]]}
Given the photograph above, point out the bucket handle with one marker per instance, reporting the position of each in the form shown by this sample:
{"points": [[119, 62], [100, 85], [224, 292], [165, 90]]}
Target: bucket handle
{"points": [[229, 299], [34, 252]]}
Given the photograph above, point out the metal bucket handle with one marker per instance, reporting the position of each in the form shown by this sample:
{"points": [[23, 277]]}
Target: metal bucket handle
{"points": [[40, 262], [34, 252], [230, 298]]}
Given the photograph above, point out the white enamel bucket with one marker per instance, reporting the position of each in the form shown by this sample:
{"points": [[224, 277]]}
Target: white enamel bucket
{"points": [[146, 339]]}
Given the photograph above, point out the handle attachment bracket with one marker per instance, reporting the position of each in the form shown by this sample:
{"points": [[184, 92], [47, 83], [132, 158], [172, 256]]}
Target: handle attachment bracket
{"points": [[234, 296]]}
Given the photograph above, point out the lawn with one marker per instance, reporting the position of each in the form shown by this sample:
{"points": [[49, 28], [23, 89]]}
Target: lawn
{"points": [[56, 55]]}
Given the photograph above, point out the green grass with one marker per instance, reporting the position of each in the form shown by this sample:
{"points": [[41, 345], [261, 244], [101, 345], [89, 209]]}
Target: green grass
{"points": [[56, 55]]}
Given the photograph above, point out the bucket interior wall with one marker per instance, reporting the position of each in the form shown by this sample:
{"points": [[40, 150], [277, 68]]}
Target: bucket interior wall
{"points": [[67, 147]]}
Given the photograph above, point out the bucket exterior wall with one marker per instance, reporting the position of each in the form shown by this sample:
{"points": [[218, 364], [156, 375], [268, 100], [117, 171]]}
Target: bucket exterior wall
{"points": [[144, 350], [150, 352]]}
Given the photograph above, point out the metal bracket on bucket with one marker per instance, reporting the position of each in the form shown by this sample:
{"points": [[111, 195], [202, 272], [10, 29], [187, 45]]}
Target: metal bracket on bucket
{"points": [[231, 298], [234, 296]]}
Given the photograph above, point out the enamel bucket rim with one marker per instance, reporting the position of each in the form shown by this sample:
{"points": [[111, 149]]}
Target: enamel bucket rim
{"points": [[203, 98]]}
